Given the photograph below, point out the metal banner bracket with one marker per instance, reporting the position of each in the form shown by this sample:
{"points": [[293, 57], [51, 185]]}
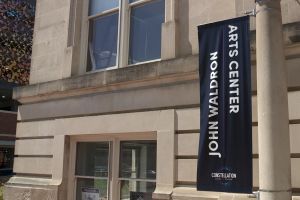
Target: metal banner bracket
{"points": [[251, 12]]}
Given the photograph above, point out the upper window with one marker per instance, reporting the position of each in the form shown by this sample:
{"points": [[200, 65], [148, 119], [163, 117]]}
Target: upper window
{"points": [[145, 31], [116, 32], [103, 34]]}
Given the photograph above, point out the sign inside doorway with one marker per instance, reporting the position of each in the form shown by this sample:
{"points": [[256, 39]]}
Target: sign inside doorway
{"points": [[225, 146], [140, 196], [90, 194]]}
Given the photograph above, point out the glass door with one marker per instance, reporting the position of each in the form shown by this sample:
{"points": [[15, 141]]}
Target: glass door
{"points": [[137, 171], [92, 172], [114, 169]]}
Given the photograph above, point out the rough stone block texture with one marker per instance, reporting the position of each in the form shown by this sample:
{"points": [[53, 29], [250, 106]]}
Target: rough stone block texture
{"points": [[34, 147], [289, 8], [295, 165], [28, 193], [139, 99], [237, 197], [36, 129], [294, 138], [290, 11], [187, 144], [255, 166], [34, 165], [188, 193], [193, 114], [168, 40], [186, 170], [193, 13], [294, 104], [49, 52], [293, 70]]}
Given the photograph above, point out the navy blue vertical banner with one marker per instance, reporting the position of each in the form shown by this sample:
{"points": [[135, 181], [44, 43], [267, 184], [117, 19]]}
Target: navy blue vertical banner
{"points": [[225, 146]]}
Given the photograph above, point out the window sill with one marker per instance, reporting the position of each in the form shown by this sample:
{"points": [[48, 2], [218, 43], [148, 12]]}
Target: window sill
{"points": [[101, 70], [145, 62], [116, 67]]}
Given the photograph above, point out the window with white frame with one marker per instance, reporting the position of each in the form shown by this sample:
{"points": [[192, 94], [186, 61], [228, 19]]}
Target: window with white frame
{"points": [[122, 32]]}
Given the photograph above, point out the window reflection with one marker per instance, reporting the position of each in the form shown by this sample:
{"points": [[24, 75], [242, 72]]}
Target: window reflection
{"points": [[102, 52], [92, 165], [138, 160], [6, 159], [92, 159], [145, 31], [137, 169], [98, 6]]}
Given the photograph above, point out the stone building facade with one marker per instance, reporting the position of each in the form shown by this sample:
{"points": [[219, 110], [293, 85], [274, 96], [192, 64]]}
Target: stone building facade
{"points": [[103, 110]]}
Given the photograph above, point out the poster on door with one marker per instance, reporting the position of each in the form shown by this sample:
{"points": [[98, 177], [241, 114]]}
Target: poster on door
{"points": [[90, 194], [140, 196]]}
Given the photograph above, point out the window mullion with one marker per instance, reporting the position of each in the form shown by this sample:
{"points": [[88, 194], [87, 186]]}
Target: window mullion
{"points": [[138, 179], [91, 177], [114, 189], [123, 34], [84, 38]]}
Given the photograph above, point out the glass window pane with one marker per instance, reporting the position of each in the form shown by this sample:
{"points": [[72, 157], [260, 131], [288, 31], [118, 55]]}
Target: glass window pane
{"points": [[98, 6], [145, 31], [138, 159], [131, 1], [92, 159], [6, 159], [129, 188], [90, 184], [102, 52]]}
